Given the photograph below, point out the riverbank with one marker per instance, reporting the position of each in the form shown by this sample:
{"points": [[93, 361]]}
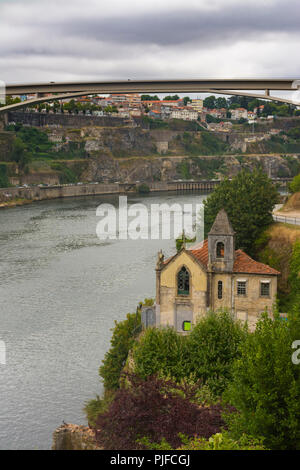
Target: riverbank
{"points": [[15, 203], [24, 195]]}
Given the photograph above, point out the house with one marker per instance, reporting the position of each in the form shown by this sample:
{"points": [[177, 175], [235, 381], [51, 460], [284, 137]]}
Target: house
{"points": [[212, 276], [186, 113], [218, 113], [153, 114], [239, 113], [197, 104]]}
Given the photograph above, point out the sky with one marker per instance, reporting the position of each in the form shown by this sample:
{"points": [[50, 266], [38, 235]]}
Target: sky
{"points": [[60, 40]]}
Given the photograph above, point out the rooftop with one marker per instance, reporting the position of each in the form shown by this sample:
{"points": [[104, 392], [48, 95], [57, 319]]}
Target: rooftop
{"points": [[222, 225], [243, 263]]}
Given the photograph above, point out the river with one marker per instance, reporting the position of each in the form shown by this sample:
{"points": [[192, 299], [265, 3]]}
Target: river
{"points": [[61, 288]]}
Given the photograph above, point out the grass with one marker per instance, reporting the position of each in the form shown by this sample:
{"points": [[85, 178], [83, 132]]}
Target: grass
{"points": [[276, 245], [293, 203]]}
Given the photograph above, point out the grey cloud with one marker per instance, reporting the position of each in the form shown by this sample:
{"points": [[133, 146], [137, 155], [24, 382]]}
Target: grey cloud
{"points": [[151, 44], [188, 25], [202, 29]]}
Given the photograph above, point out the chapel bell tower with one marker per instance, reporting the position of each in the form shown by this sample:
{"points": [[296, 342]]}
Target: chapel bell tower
{"points": [[221, 244]]}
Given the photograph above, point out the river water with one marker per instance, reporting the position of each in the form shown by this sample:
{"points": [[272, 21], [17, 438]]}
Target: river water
{"points": [[61, 288]]}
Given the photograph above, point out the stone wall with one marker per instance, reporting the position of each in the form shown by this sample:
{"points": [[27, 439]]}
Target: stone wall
{"points": [[53, 192], [75, 121]]}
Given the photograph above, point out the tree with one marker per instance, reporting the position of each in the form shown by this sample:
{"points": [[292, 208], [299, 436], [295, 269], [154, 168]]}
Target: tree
{"points": [[149, 98], [160, 350], [4, 180], [172, 98], [266, 385], [20, 154], [248, 199], [186, 100], [122, 341], [156, 409], [210, 102], [221, 103], [212, 347], [294, 186]]}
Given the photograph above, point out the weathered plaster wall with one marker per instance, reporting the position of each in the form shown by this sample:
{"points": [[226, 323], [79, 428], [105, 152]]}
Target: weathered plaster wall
{"points": [[168, 293]]}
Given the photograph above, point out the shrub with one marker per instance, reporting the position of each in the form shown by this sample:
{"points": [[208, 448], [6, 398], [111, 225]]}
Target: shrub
{"points": [[97, 406], [160, 350], [143, 188], [4, 180], [67, 175], [156, 409], [219, 441], [266, 385], [223, 441], [212, 347], [124, 334], [294, 186], [207, 353]]}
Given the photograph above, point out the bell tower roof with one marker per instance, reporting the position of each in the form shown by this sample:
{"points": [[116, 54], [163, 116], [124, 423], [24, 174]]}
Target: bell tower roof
{"points": [[222, 225]]}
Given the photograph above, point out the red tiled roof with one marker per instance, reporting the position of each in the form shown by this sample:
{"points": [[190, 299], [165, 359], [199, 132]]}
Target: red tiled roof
{"points": [[201, 254], [242, 263]]}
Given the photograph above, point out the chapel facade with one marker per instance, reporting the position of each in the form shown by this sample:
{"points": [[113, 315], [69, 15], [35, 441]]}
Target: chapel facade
{"points": [[213, 276]]}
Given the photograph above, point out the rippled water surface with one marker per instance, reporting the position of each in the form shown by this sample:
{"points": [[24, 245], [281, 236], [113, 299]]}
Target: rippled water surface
{"points": [[61, 289]]}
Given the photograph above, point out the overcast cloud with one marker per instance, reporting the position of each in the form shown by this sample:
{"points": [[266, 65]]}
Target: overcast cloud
{"points": [[70, 40]]}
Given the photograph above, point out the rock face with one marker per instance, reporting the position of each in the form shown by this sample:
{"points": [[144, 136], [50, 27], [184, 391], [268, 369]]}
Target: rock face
{"points": [[74, 437], [130, 153]]}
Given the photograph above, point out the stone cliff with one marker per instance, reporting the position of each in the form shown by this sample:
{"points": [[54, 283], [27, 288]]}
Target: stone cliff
{"points": [[131, 152]]}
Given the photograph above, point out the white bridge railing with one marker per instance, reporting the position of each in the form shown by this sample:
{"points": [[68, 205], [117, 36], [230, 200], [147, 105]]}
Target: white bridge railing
{"points": [[287, 220]]}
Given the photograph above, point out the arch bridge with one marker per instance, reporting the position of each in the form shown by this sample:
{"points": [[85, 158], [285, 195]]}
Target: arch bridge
{"points": [[239, 87]]}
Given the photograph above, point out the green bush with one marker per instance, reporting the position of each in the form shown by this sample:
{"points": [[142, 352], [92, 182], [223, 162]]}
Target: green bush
{"points": [[143, 188], [265, 389], [124, 334], [206, 354], [294, 186], [67, 175], [293, 280], [212, 347], [97, 406], [219, 441], [4, 180], [160, 350]]}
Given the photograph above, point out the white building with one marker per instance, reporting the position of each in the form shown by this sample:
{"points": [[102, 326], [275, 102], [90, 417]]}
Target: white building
{"points": [[187, 114], [239, 113]]}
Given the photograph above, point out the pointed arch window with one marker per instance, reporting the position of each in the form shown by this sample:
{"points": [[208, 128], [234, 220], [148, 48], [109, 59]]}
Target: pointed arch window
{"points": [[183, 282], [220, 250]]}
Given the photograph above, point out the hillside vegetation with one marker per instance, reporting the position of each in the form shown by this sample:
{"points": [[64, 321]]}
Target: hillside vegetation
{"points": [[275, 248], [293, 203]]}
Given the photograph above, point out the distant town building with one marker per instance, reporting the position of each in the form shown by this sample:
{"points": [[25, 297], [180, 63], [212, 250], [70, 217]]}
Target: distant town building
{"points": [[239, 113], [220, 126], [185, 113], [218, 113], [197, 105]]}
